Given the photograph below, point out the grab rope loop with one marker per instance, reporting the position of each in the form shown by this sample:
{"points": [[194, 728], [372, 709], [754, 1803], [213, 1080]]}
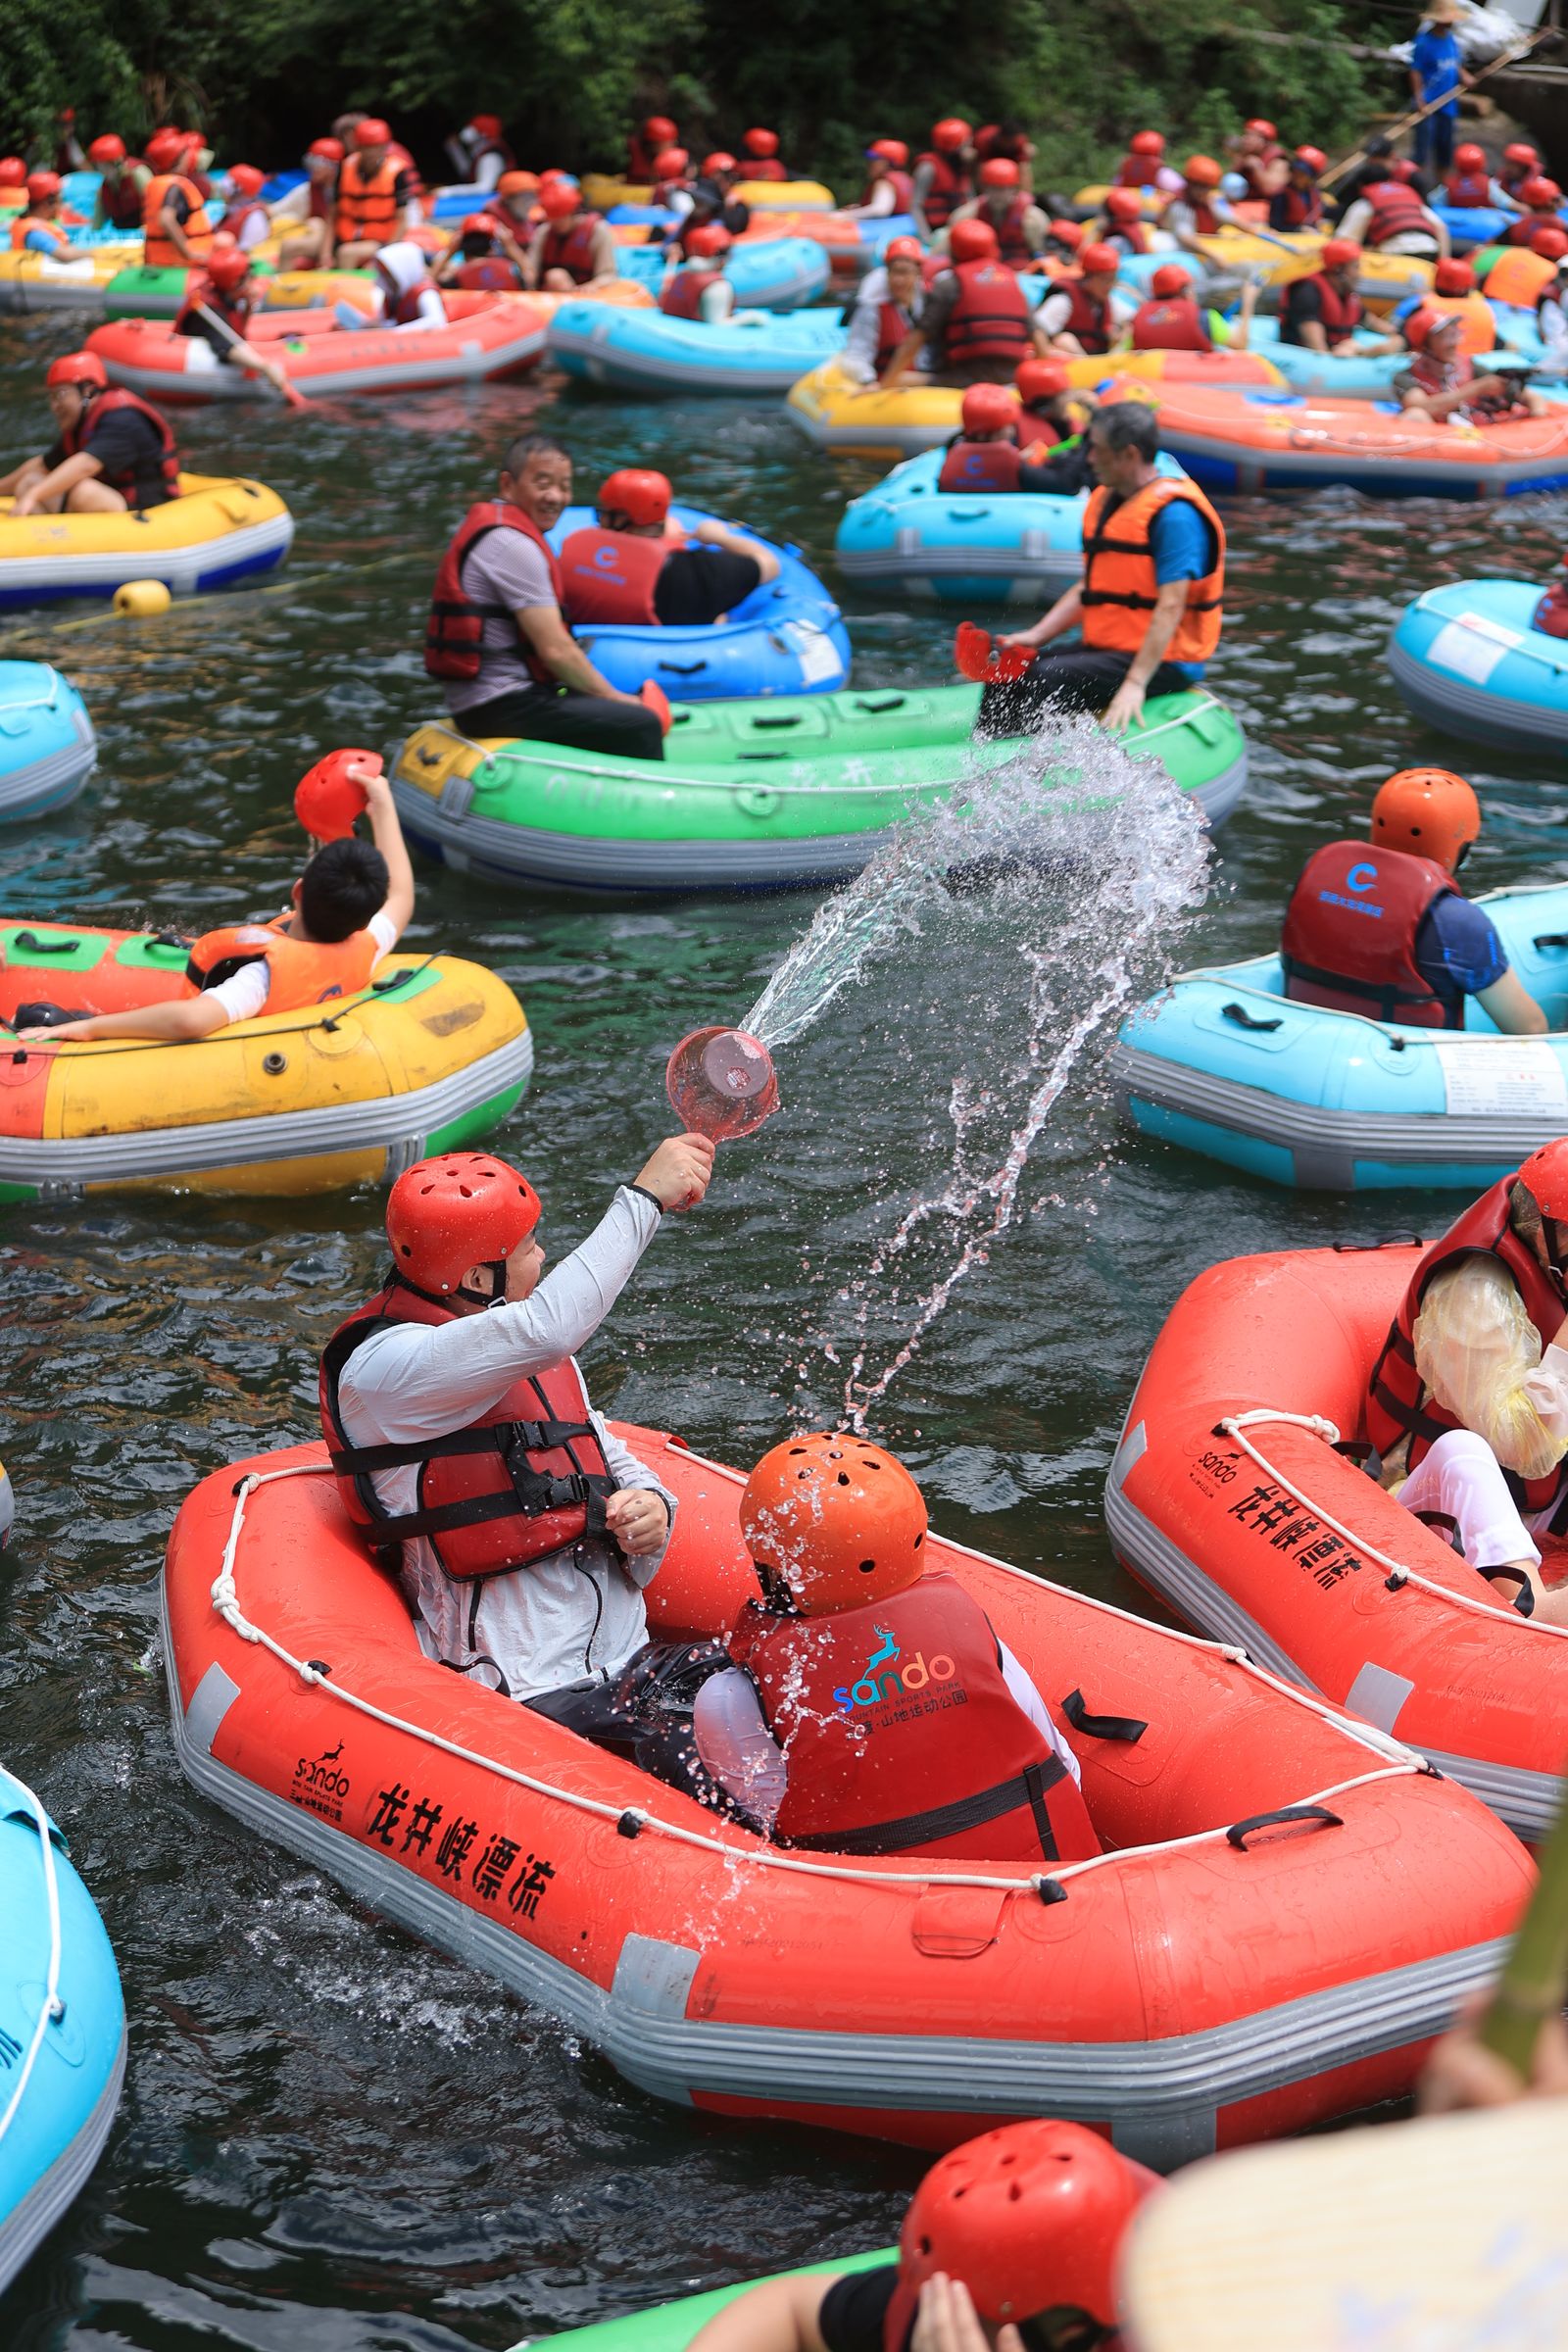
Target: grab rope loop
{"points": [[53, 2008]]}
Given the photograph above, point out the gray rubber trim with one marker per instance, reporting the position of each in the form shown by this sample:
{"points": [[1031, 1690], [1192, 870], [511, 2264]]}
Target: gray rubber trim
{"points": [[1528, 1801], [47, 783], [29, 2223], [640, 371], [395, 1122], [1378, 1695], [1308, 466], [470, 363], [211, 1702], [1474, 711]]}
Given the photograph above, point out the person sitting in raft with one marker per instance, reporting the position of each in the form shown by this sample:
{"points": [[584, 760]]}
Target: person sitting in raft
{"points": [[1520, 160], [1391, 216], [1467, 1408], [176, 229], [1199, 209], [1295, 199], [1540, 207], [1428, 949], [38, 227], [115, 450], [885, 312], [638, 568], [698, 289], [1148, 604], [840, 1652], [521, 1530], [649, 139], [571, 246], [496, 637], [347, 912], [1171, 320], [403, 294], [1255, 151], [217, 297], [888, 189], [1442, 379], [1121, 225], [483, 258], [306, 216], [760, 157], [713, 197], [377, 197], [1550, 616], [1021, 227], [1322, 313], [1077, 317], [478, 153], [985, 455], [1053, 426], [246, 218], [975, 323], [674, 185], [123, 179], [1470, 187], [1144, 165], [943, 175], [69, 156]]}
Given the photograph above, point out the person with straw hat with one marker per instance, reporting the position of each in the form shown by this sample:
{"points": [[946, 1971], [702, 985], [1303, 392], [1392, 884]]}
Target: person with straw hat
{"points": [[1437, 73]]}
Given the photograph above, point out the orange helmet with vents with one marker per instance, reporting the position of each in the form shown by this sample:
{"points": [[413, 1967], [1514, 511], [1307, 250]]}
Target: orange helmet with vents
{"points": [[457, 1210], [833, 1521], [1428, 811]]}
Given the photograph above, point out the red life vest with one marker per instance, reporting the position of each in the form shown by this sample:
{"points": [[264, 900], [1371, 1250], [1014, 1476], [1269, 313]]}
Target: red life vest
{"points": [[1090, 321], [610, 577], [454, 630], [1175, 325], [901, 1735], [902, 184], [947, 190], [236, 215], [400, 307], [990, 319], [1521, 231], [322, 194], [1550, 616], [1397, 210], [234, 309], [1012, 243], [682, 297], [1395, 1407], [104, 404], [491, 274], [121, 198], [300, 971], [983, 466], [1292, 206], [1207, 223], [1130, 235], [1350, 930], [764, 167], [1469, 191], [512, 1486], [1338, 315], [1138, 172], [893, 327], [1433, 375], [571, 249]]}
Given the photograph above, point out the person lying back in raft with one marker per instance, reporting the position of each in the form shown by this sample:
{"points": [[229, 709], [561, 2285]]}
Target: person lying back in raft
{"points": [[886, 312], [403, 294], [1322, 313], [1443, 383], [1148, 604], [115, 449], [976, 324], [636, 567], [218, 296], [347, 912], [698, 288], [496, 636], [1467, 1409], [1009, 2240]]}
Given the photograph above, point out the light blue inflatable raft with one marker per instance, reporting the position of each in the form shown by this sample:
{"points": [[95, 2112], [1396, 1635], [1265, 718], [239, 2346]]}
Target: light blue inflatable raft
{"points": [[62, 2028], [1224, 1064], [768, 274], [47, 746], [1466, 659], [787, 637], [753, 355]]}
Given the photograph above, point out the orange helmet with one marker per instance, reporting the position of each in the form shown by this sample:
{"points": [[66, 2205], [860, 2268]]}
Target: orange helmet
{"points": [[1124, 204], [459, 1210], [1040, 379], [833, 1522], [517, 183], [1546, 1173], [972, 241], [1428, 811], [1147, 142], [949, 134], [1202, 171], [988, 408]]}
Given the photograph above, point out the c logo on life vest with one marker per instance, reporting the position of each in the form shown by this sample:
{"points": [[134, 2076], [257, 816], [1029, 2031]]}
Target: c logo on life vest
{"points": [[1361, 877], [605, 559]]}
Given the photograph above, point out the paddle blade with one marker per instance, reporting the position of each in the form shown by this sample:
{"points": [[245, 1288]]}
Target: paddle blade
{"points": [[985, 662], [657, 702], [721, 1083]]}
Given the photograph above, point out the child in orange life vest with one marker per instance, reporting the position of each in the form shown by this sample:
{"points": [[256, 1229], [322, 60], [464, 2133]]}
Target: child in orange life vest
{"points": [[1552, 614], [903, 1723], [347, 912]]}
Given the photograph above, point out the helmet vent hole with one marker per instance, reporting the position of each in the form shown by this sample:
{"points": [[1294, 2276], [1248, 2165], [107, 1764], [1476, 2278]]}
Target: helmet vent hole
{"points": [[843, 1478], [919, 1541], [1014, 2192], [926, 2245], [866, 1567]]}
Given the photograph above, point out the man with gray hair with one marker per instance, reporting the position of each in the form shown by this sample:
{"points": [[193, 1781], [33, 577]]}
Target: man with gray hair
{"points": [[1149, 602]]}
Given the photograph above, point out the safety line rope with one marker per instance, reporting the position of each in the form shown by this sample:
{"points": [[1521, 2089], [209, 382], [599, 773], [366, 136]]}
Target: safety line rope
{"points": [[53, 2006]]}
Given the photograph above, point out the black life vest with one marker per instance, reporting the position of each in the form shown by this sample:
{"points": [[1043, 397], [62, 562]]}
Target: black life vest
{"points": [[131, 481]]}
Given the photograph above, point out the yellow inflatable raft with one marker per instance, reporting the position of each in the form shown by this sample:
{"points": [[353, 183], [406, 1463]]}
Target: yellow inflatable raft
{"points": [[601, 190], [216, 534], [35, 282], [433, 1054]]}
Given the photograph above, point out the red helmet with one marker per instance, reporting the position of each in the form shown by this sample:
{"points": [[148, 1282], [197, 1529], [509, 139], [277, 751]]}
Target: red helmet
{"points": [[1260, 130], [1522, 155], [719, 161], [1468, 157], [637, 493], [246, 178], [1428, 811], [327, 798], [1099, 260], [42, 186], [1453, 276], [671, 163], [457, 1210], [517, 183], [327, 151], [1419, 326], [1069, 232], [949, 134], [890, 151], [228, 267], [78, 367], [658, 130], [1039, 379], [487, 126], [999, 172], [1338, 253], [903, 249], [1546, 1175], [1202, 171], [988, 408], [1124, 204], [558, 199], [108, 148], [972, 241], [759, 142], [479, 225], [1402, 167], [13, 172], [372, 132], [1538, 193], [1550, 242], [1030, 2216], [165, 149], [1147, 142], [1169, 280], [834, 1520], [708, 238], [1311, 159]]}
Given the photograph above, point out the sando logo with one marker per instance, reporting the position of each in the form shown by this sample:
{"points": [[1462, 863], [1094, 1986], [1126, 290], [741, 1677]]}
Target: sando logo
{"points": [[320, 1786], [874, 1688]]}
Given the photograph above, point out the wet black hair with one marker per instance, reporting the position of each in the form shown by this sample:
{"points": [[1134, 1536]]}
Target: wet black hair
{"points": [[531, 445], [1128, 425], [345, 883]]}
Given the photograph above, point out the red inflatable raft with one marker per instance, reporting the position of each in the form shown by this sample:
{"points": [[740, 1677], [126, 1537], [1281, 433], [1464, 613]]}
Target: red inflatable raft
{"points": [[1228, 1498], [485, 335], [1291, 1907]]}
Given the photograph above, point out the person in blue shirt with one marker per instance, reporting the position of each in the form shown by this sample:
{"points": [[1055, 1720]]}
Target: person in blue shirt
{"points": [[1436, 73]]}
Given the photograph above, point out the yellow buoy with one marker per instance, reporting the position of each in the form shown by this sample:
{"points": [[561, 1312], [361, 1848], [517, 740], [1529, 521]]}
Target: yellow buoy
{"points": [[139, 599]]}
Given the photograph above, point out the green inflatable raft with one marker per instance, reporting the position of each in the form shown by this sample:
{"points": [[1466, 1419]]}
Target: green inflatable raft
{"points": [[777, 793], [670, 2327], [144, 292]]}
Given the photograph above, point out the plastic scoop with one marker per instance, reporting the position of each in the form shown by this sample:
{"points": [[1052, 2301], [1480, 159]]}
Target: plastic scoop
{"points": [[721, 1083], [985, 662], [657, 702], [327, 798]]}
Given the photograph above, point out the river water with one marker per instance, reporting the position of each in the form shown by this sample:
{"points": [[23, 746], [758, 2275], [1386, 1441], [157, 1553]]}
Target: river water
{"points": [[331, 2137]]}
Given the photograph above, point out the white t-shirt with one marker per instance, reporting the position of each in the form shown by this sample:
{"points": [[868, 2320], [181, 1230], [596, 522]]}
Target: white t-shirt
{"points": [[245, 995]]}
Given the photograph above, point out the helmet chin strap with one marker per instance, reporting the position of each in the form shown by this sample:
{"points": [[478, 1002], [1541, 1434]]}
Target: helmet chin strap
{"points": [[494, 1296]]}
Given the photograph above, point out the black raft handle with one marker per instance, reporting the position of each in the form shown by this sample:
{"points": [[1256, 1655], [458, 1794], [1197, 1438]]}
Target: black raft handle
{"points": [[1247, 1020], [31, 944], [684, 670], [1386, 1241], [1240, 1831], [1552, 939], [1102, 1727]]}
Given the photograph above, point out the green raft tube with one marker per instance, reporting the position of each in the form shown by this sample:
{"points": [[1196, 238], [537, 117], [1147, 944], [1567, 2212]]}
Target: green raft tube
{"points": [[144, 292], [670, 2327], [776, 793]]}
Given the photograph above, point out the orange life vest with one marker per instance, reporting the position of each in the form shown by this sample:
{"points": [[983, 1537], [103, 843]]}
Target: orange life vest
{"points": [[990, 319], [1174, 326], [300, 971], [157, 251], [610, 577], [453, 633], [367, 209], [22, 228], [1480, 324], [1519, 277], [1350, 932], [901, 1735], [1119, 587]]}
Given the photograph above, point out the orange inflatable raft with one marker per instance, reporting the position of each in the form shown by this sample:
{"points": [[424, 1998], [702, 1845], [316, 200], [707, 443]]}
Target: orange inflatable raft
{"points": [[1296, 441], [1290, 1905], [1227, 1497]]}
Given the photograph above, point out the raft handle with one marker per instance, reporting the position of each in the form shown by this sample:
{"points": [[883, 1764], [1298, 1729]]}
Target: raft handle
{"points": [[631, 1823], [877, 707], [35, 945], [1102, 1727], [1248, 1020], [1240, 1831], [1050, 1891], [777, 718], [1552, 939], [684, 670], [1386, 1241]]}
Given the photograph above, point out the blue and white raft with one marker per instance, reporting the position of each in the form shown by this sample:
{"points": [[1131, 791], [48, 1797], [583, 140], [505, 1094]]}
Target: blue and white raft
{"points": [[1223, 1063], [47, 746], [1466, 659], [62, 2028], [752, 355], [787, 637]]}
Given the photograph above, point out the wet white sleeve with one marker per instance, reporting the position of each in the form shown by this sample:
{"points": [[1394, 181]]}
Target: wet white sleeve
{"points": [[858, 355], [487, 170], [1034, 1706], [718, 303], [245, 995], [736, 1746], [1054, 312], [432, 313]]}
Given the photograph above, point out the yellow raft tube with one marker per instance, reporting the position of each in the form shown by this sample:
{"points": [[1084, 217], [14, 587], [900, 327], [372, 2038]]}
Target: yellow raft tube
{"points": [[216, 533], [602, 189], [35, 282], [433, 1054]]}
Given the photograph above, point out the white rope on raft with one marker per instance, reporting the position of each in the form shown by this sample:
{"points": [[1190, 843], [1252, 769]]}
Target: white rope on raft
{"points": [[225, 1602], [1234, 1424], [53, 2006]]}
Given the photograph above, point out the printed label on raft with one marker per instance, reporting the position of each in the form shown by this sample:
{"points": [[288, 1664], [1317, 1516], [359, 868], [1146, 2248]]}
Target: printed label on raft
{"points": [[1214, 1469], [1471, 647], [1509, 1077], [462, 1854], [815, 649], [1273, 1512], [320, 1786]]}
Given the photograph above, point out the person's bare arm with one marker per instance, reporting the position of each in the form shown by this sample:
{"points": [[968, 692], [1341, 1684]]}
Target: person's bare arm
{"points": [[1509, 1003], [387, 834], [739, 543], [83, 467], [562, 656], [780, 2316], [1127, 703], [173, 1023], [1063, 615], [904, 358], [31, 469]]}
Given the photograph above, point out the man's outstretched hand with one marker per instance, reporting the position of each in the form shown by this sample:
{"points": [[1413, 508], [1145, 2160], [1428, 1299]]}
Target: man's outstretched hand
{"points": [[679, 1172]]}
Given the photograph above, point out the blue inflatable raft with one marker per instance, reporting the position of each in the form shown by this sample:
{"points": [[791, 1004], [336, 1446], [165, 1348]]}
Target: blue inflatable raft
{"points": [[62, 2029], [1224, 1064], [47, 746], [1466, 659], [787, 637], [768, 274], [755, 353]]}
